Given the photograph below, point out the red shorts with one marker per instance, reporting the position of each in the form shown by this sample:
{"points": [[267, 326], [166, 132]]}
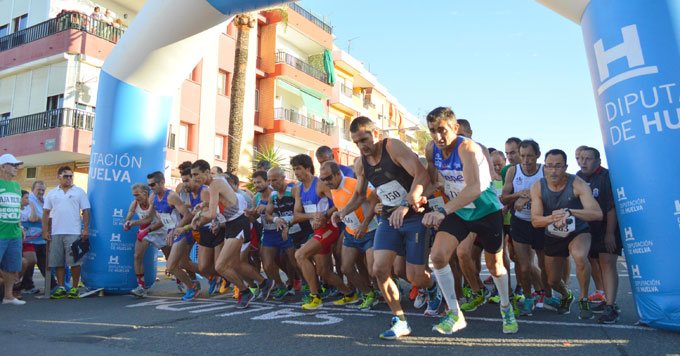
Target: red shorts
{"points": [[28, 248], [254, 243], [327, 235]]}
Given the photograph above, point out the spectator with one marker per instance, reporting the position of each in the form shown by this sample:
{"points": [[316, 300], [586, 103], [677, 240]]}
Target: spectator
{"points": [[108, 17], [33, 230], [65, 202], [10, 226], [96, 14], [118, 23], [28, 212]]}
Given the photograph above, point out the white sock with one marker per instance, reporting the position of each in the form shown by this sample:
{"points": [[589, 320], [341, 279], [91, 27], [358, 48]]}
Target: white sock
{"points": [[502, 287], [448, 287]]}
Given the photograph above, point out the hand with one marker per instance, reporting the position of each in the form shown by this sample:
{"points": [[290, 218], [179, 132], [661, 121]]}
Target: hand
{"points": [[127, 225], [360, 233], [177, 231], [169, 239], [397, 217], [284, 233], [336, 218], [141, 234], [46, 236], [433, 219], [194, 224], [260, 209], [419, 206], [520, 202], [85, 234], [525, 193], [214, 228], [281, 224], [610, 242], [378, 209]]}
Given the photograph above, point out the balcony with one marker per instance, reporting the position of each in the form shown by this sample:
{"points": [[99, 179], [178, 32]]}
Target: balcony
{"points": [[368, 104], [309, 16], [67, 21], [346, 91], [297, 118], [283, 57], [65, 117]]}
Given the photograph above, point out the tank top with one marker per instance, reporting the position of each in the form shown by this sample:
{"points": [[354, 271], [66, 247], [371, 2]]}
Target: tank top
{"points": [[142, 213], [565, 198], [451, 168], [197, 200], [392, 182], [265, 225], [167, 214], [284, 206], [342, 195], [311, 202], [521, 182]]}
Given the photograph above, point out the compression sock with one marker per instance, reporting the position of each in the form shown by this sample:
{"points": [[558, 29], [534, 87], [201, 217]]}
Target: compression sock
{"points": [[502, 286], [447, 286]]}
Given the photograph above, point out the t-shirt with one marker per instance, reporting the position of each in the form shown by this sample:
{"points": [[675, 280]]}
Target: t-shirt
{"points": [[33, 229], [65, 208], [601, 186], [10, 210]]}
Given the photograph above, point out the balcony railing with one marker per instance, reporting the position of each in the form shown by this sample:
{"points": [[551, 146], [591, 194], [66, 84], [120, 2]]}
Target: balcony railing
{"points": [[65, 117], [297, 118], [309, 16], [283, 57], [368, 104], [346, 134], [67, 21], [346, 91]]}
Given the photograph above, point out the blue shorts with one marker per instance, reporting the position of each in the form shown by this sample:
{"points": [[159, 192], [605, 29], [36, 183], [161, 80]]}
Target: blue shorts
{"points": [[274, 239], [10, 255], [187, 236], [410, 240], [364, 244]]}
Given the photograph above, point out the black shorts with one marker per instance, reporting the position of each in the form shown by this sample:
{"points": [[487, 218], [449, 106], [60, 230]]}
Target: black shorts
{"points": [[489, 229], [299, 238], [559, 247], [523, 232], [597, 246], [208, 239], [238, 228]]}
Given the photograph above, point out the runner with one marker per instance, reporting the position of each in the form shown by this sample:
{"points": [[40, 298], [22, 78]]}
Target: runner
{"points": [[606, 244], [360, 226], [325, 154], [518, 181], [556, 208], [400, 180], [312, 204], [472, 208], [230, 238], [152, 234]]}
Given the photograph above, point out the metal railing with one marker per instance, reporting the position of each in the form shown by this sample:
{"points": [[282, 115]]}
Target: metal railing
{"points": [[283, 57], [346, 91], [309, 16], [346, 134], [295, 117], [64, 117], [368, 104], [66, 21]]}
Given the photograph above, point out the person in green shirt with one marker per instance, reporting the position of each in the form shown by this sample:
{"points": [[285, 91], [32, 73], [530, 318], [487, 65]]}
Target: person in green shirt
{"points": [[11, 233]]}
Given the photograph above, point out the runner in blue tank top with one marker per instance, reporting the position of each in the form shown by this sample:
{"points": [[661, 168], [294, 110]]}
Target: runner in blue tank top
{"points": [[472, 208]]}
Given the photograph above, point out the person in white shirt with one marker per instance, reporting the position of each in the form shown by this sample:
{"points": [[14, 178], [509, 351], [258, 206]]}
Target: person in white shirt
{"points": [[65, 203]]}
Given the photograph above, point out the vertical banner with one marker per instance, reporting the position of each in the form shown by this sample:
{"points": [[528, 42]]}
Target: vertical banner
{"points": [[634, 59]]}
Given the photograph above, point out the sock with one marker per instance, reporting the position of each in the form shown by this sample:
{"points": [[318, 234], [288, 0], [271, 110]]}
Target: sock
{"points": [[140, 280], [502, 287], [431, 292], [447, 286]]}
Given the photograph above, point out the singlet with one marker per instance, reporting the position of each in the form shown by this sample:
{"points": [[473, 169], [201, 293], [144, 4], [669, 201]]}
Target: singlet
{"points": [[565, 198], [168, 214], [142, 213], [265, 225], [498, 188], [393, 182], [342, 195], [347, 171], [451, 168], [311, 202], [197, 200], [284, 206], [521, 182]]}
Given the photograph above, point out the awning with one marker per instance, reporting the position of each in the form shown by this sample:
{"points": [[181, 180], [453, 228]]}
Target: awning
{"points": [[315, 106], [289, 87]]}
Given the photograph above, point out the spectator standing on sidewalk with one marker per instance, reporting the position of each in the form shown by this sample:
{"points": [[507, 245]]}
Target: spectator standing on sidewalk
{"points": [[65, 202], [28, 252], [33, 229], [11, 233]]}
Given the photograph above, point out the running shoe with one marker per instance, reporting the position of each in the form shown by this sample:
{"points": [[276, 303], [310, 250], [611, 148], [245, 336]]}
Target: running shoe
{"points": [[565, 304], [192, 293], [305, 289], [399, 328], [420, 299], [347, 299], [414, 292], [599, 308], [552, 303], [518, 290], [224, 287], [139, 292], [197, 284], [212, 283], [313, 303], [509, 322], [291, 290], [73, 293], [236, 293], [245, 298], [475, 301], [586, 313], [256, 291], [434, 300], [495, 299], [609, 316], [598, 296], [450, 323], [182, 288], [80, 284], [297, 284], [513, 300], [329, 291], [58, 293], [33, 291], [14, 301], [280, 293], [540, 299], [467, 292], [368, 302], [528, 307], [266, 287]]}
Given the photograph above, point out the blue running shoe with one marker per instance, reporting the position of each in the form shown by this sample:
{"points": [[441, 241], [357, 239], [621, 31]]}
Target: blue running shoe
{"points": [[244, 299], [212, 283], [399, 328], [192, 293]]}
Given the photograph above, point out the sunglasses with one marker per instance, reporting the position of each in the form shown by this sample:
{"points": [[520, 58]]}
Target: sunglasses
{"points": [[15, 165], [327, 178], [67, 176], [152, 185]]}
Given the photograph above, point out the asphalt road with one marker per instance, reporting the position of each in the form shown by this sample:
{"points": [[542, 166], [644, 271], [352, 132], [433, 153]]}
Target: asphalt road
{"points": [[164, 325]]}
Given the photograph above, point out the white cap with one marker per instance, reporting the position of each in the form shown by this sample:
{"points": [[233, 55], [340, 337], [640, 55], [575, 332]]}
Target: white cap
{"points": [[9, 159]]}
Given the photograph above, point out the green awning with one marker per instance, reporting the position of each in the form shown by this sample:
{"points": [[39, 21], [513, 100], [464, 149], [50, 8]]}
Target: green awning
{"points": [[314, 106], [289, 87]]}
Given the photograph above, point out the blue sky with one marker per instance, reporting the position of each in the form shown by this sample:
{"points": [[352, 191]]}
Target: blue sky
{"points": [[512, 68]]}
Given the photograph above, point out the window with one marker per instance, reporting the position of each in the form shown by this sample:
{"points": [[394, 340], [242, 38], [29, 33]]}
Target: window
{"points": [[219, 146], [3, 124], [55, 102], [4, 116], [257, 100], [4, 30], [223, 83], [31, 173], [20, 22], [183, 136]]}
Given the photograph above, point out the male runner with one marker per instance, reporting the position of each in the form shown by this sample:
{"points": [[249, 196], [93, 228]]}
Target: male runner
{"points": [[518, 181], [606, 244], [325, 154], [313, 204], [472, 208], [360, 226], [562, 204], [400, 180], [229, 238]]}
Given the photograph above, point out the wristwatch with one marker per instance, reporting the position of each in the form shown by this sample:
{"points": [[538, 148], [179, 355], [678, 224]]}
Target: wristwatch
{"points": [[404, 203], [442, 210]]}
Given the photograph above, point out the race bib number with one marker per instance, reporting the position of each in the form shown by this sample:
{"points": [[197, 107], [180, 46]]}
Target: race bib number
{"points": [[168, 221], [436, 203], [391, 193], [565, 230], [352, 221], [452, 189], [294, 229], [310, 208], [220, 218]]}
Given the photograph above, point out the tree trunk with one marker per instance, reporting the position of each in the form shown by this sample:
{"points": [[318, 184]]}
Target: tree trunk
{"points": [[243, 23]]}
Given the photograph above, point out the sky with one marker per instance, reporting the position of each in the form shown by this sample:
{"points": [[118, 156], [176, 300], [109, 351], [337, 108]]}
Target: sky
{"points": [[512, 68]]}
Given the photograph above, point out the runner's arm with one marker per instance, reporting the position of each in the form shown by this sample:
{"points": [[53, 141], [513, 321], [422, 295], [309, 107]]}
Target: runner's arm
{"points": [[468, 151], [591, 210], [131, 211], [149, 217], [508, 197], [359, 195], [176, 202], [431, 170], [370, 214], [537, 218], [269, 211], [408, 160]]}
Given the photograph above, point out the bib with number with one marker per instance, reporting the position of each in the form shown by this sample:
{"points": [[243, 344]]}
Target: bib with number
{"points": [[168, 221], [452, 189], [565, 230], [391, 193]]}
